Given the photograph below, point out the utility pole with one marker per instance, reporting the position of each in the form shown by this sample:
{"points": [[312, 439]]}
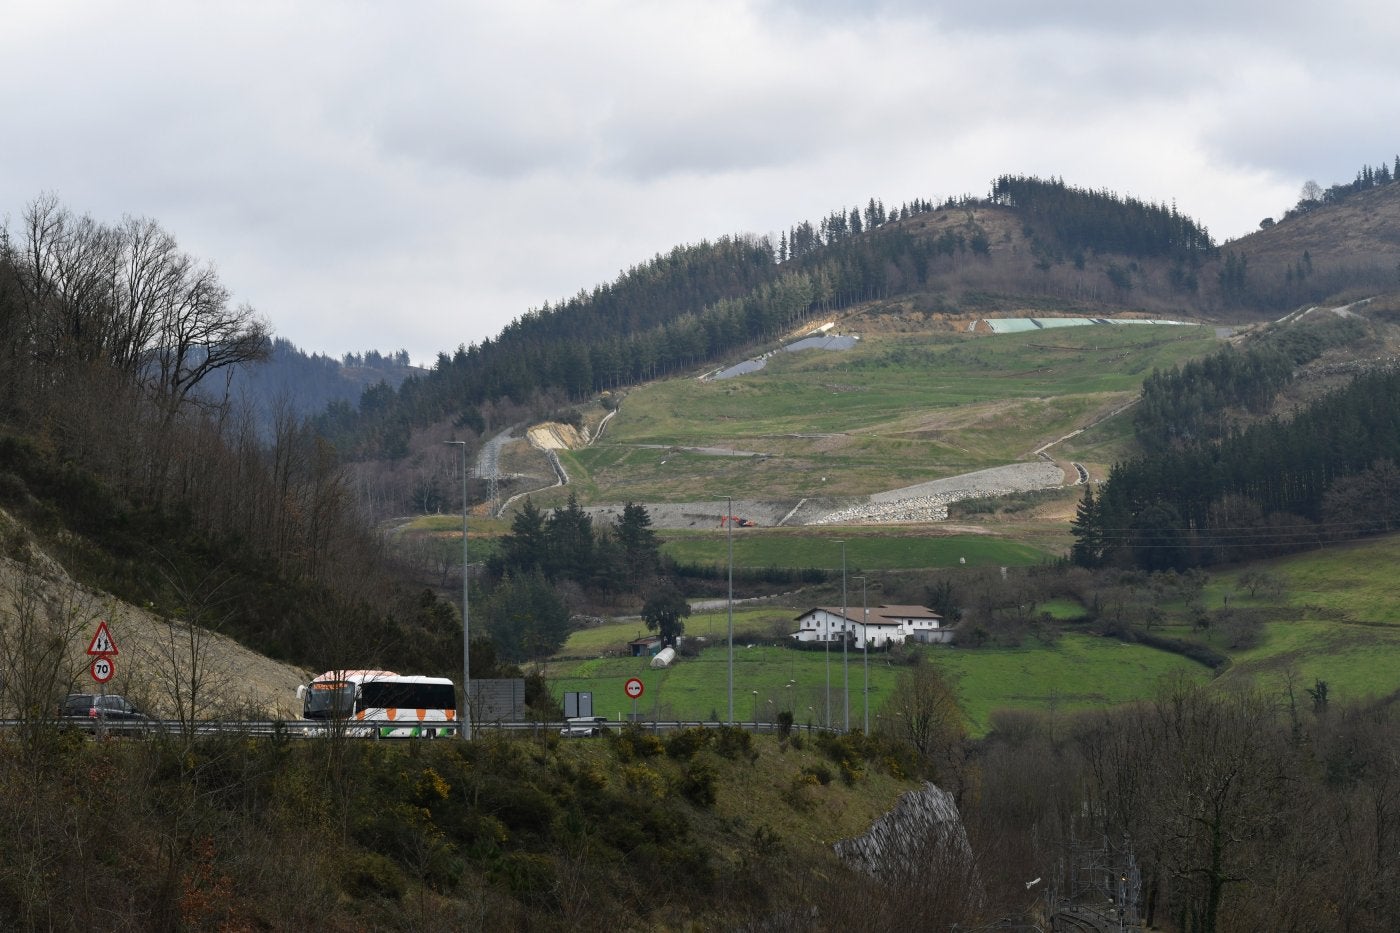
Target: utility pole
{"points": [[466, 717], [865, 644], [827, 640], [729, 523], [845, 641]]}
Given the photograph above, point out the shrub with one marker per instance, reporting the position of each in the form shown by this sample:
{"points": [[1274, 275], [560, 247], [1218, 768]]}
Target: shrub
{"points": [[528, 876], [684, 745], [799, 793], [734, 743], [632, 743], [700, 783], [644, 780], [368, 874], [785, 723]]}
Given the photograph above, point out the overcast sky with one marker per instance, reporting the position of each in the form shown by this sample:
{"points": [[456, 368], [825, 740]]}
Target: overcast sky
{"points": [[415, 175]]}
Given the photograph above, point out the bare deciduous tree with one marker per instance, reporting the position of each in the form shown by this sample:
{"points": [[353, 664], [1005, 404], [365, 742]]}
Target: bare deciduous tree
{"points": [[923, 711], [40, 632], [193, 686]]}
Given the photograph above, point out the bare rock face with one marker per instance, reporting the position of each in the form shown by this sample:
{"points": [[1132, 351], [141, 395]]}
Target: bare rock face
{"points": [[923, 833]]}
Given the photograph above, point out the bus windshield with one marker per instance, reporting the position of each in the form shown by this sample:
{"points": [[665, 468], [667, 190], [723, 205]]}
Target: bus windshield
{"points": [[329, 700]]}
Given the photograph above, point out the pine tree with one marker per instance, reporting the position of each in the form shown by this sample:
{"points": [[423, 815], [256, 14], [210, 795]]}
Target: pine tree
{"points": [[640, 547], [1088, 548], [523, 549]]}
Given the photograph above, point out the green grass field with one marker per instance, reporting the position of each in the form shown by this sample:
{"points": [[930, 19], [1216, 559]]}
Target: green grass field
{"points": [[1076, 672], [1334, 620], [612, 637], [896, 410], [888, 548], [1355, 581], [1358, 662]]}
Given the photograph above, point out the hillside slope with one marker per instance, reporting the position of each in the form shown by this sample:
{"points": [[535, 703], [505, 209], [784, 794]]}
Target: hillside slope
{"points": [[160, 660]]}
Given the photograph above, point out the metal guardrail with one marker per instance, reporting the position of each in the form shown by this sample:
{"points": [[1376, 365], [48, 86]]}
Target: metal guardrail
{"points": [[301, 728], [296, 728]]}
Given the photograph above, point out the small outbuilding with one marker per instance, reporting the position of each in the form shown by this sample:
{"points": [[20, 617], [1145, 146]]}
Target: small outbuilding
{"points": [[645, 646]]}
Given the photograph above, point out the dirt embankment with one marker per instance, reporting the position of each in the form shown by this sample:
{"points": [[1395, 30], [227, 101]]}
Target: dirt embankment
{"points": [[157, 659], [552, 435]]}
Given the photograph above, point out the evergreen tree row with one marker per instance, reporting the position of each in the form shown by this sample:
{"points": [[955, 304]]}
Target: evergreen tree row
{"points": [[1100, 220], [1274, 487], [543, 555], [564, 545]]}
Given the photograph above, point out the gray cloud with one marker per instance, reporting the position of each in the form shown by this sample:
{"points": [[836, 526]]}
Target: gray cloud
{"points": [[390, 176]]}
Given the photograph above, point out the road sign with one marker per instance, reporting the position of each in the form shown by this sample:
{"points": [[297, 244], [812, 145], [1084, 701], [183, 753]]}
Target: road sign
{"points": [[634, 687], [102, 643], [102, 669]]}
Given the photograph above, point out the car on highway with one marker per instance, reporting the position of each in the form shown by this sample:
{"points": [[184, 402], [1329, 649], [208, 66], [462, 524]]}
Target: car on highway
{"points": [[581, 727], [100, 708]]}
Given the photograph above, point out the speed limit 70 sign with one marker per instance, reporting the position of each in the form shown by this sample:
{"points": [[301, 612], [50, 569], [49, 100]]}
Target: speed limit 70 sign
{"points": [[633, 687], [102, 669]]}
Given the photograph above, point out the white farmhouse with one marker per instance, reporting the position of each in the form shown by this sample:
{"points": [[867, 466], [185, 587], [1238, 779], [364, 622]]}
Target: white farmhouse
{"points": [[876, 627]]}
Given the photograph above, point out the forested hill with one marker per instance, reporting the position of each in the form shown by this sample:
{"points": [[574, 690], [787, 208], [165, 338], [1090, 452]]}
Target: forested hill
{"points": [[1081, 220], [1029, 241], [293, 383], [1240, 462]]}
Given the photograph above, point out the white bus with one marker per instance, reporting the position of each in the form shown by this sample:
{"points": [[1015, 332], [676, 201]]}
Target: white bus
{"points": [[389, 705]]}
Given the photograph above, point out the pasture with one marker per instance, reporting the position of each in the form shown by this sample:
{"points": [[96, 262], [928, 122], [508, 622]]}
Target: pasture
{"points": [[885, 548], [894, 411], [1071, 673]]}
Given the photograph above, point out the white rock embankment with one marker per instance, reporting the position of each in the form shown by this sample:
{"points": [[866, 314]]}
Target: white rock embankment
{"points": [[928, 502]]}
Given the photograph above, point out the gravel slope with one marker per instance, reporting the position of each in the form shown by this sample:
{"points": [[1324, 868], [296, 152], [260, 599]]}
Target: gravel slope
{"points": [[923, 502]]}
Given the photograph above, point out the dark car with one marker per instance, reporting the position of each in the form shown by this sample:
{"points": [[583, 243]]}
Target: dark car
{"points": [[96, 707]]}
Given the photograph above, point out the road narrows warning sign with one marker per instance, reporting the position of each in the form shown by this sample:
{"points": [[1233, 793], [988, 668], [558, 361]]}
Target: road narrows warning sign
{"points": [[102, 643]]}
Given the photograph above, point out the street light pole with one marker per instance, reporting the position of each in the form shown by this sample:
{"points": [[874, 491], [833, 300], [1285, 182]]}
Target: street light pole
{"points": [[865, 631], [729, 524], [466, 717], [827, 638], [845, 641]]}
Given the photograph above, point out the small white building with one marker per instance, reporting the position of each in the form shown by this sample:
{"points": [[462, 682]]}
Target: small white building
{"points": [[877, 627]]}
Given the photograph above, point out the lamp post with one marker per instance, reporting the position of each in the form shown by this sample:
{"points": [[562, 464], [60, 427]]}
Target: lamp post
{"points": [[466, 626], [845, 641], [729, 524], [827, 639], [755, 710], [865, 639]]}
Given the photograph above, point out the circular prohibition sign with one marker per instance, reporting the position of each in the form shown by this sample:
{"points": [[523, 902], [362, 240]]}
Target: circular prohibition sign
{"points": [[633, 687], [102, 669]]}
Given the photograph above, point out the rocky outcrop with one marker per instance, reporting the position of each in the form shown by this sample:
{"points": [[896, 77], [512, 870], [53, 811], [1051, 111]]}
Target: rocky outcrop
{"points": [[922, 830]]}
